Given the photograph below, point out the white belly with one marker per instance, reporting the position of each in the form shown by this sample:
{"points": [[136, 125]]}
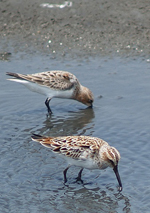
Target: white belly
{"points": [[47, 91], [87, 164]]}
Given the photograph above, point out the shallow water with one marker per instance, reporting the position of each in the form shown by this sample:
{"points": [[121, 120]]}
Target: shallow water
{"points": [[31, 175]]}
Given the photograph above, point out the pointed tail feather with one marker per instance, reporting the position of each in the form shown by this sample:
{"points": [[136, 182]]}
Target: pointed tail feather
{"points": [[45, 141], [16, 75], [22, 78], [36, 137]]}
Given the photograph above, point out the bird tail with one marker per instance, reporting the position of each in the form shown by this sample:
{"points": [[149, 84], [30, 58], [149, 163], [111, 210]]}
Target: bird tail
{"points": [[15, 75], [18, 77], [45, 141], [36, 137]]}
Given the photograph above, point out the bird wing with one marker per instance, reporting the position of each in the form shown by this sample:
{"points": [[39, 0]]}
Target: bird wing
{"points": [[76, 147], [58, 80]]}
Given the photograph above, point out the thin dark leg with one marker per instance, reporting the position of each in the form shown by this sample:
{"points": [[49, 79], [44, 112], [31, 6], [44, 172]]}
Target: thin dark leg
{"points": [[79, 176], [47, 105], [65, 172]]}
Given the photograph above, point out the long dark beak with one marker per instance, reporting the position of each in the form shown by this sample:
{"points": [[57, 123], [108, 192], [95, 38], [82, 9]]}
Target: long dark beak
{"points": [[91, 106], [118, 177]]}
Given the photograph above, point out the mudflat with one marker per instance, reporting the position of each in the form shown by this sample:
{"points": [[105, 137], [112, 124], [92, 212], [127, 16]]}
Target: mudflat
{"points": [[78, 27]]}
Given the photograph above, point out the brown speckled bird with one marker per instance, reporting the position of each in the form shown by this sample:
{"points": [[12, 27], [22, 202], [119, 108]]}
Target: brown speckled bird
{"points": [[83, 151], [55, 84]]}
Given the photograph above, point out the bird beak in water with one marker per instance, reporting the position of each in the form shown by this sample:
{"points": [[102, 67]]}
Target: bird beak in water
{"points": [[118, 177]]}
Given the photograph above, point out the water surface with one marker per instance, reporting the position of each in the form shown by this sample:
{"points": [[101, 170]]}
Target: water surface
{"points": [[31, 175]]}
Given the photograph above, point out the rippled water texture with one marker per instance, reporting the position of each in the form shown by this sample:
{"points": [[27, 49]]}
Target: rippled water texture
{"points": [[31, 175]]}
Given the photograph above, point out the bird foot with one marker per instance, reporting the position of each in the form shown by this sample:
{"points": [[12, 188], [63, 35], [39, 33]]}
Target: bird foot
{"points": [[79, 179]]}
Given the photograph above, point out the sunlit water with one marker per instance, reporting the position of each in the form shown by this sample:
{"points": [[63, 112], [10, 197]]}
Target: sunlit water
{"points": [[31, 175]]}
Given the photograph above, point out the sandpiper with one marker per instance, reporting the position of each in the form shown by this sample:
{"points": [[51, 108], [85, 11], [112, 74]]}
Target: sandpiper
{"points": [[83, 151], [55, 84]]}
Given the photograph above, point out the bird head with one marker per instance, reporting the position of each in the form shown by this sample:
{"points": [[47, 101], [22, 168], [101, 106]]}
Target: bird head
{"points": [[111, 157], [85, 96]]}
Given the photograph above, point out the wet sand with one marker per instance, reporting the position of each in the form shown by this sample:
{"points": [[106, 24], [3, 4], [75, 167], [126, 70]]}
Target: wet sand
{"points": [[83, 28]]}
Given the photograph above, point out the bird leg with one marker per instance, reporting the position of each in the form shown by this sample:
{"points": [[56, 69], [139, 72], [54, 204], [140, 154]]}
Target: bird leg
{"points": [[79, 176], [47, 105], [65, 172]]}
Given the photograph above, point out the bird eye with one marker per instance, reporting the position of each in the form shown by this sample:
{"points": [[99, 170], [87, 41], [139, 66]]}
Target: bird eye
{"points": [[90, 101]]}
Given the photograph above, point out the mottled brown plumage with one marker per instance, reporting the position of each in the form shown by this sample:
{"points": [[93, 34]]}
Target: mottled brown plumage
{"points": [[55, 84], [83, 151], [53, 79]]}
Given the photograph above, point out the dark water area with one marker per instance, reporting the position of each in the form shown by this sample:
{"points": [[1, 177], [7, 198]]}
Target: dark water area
{"points": [[31, 175]]}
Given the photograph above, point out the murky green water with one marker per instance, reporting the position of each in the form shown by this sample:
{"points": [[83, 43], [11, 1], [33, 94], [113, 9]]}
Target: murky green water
{"points": [[31, 175]]}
